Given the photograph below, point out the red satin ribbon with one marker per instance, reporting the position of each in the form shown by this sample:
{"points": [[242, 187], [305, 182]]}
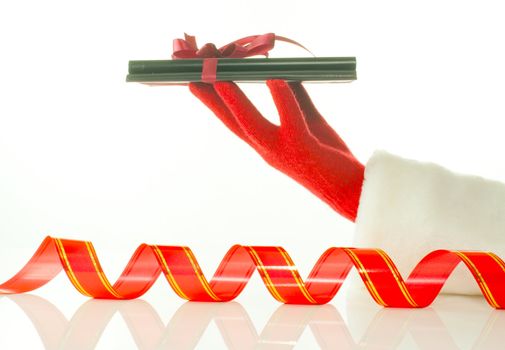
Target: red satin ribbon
{"points": [[253, 45], [179, 265]]}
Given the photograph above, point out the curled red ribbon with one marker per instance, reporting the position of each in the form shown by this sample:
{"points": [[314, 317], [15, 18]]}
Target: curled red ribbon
{"points": [[253, 45], [180, 267]]}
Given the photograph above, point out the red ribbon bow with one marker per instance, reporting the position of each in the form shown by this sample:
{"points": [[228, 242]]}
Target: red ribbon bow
{"points": [[253, 45]]}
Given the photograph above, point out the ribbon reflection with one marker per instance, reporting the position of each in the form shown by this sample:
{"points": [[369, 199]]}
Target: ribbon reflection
{"points": [[387, 328]]}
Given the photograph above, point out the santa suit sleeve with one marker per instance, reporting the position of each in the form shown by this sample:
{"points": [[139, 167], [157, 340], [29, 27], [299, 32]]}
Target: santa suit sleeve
{"points": [[409, 208]]}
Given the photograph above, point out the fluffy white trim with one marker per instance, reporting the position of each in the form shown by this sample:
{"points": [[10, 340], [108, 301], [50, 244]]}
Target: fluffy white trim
{"points": [[410, 208]]}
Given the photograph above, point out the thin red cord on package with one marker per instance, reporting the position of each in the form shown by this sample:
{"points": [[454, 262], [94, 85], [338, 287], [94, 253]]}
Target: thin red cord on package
{"points": [[180, 267]]}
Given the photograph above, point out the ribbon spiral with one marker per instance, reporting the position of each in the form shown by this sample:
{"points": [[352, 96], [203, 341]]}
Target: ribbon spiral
{"points": [[180, 267]]}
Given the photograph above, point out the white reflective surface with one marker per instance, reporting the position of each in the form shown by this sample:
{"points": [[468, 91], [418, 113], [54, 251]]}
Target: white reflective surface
{"points": [[353, 322]]}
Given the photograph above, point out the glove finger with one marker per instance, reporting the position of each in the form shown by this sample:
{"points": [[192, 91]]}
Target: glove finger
{"points": [[206, 93], [255, 126], [317, 125], [290, 114]]}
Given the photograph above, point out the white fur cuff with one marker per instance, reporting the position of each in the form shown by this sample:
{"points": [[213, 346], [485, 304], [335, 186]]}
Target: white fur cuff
{"points": [[409, 208]]}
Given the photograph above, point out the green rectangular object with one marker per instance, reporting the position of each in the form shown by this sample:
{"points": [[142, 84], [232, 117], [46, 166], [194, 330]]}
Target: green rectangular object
{"points": [[317, 69]]}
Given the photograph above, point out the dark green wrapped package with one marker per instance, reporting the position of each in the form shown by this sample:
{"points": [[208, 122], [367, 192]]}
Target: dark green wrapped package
{"points": [[321, 69]]}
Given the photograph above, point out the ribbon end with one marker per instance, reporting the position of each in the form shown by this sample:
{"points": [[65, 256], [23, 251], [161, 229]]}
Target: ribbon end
{"points": [[191, 40]]}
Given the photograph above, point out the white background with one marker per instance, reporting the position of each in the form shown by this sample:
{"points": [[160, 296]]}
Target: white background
{"points": [[85, 155]]}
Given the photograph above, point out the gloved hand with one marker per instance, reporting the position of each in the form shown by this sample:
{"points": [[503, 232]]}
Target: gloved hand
{"points": [[304, 146]]}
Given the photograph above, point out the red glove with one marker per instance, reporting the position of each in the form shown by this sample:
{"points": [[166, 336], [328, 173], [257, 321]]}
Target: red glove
{"points": [[304, 146]]}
